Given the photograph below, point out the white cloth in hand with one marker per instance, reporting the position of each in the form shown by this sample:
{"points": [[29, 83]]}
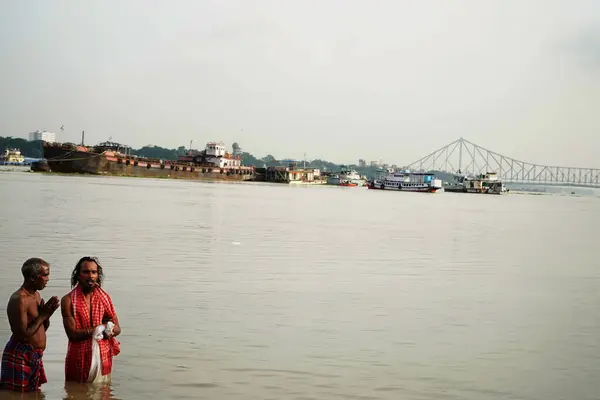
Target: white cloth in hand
{"points": [[98, 332], [95, 374]]}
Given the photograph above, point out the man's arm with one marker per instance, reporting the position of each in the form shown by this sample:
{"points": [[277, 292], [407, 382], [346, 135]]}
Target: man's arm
{"points": [[47, 321], [17, 317], [117, 327], [112, 317], [72, 332]]}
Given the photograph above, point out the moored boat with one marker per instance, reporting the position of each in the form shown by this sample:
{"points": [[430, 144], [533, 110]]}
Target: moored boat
{"points": [[487, 183], [12, 157], [346, 177], [40, 166], [109, 158], [407, 181]]}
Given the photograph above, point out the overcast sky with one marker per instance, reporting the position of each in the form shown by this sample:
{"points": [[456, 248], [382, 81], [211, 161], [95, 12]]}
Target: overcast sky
{"points": [[336, 79]]}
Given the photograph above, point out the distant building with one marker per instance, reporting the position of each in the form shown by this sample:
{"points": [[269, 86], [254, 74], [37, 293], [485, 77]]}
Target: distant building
{"points": [[46, 136], [362, 163]]}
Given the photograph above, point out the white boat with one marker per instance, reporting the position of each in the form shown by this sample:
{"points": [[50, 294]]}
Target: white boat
{"points": [[406, 181], [346, 177]]}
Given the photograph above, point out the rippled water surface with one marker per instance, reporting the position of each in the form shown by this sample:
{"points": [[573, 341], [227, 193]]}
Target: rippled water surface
{"points": [[257, 291]]}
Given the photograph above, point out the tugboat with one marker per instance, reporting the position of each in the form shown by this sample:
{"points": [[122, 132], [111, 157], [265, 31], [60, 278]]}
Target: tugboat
{"points": [[12, 157], [406, 181], [346, 177]]}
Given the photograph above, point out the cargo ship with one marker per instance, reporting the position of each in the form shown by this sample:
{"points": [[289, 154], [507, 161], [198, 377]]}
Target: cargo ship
{"points": [[406, 181], [110, 158]]}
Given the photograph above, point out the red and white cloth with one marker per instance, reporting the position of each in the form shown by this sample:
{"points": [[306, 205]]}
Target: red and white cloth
{"points": [[79, 353]]}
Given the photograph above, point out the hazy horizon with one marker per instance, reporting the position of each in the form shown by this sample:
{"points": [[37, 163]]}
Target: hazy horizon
{"points": [[337, 80]]}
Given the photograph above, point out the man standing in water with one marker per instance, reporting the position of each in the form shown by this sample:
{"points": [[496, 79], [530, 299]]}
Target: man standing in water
{"points": [[84, 309], [29, 318]]}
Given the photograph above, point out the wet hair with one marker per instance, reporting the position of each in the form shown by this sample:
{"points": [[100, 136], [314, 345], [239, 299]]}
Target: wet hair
{"points": [[32, 267], [77, 270]]}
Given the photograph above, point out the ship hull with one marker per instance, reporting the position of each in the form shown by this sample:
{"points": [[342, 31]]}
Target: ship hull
{"points": [[407, 189], [474, 190], [315, 182], [337, 181], [62, 160]]}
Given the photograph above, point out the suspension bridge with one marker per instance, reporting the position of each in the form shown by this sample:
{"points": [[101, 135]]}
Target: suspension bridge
{"points": [[462, 157]]}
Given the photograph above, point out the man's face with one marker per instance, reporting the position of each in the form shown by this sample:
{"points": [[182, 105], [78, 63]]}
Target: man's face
{"points": [[41, 280], [88, 275]]}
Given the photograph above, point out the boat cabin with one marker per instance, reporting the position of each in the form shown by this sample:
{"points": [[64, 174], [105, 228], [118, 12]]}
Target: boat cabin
{"points": [[214, 153], [12, 156], [411, 177]]}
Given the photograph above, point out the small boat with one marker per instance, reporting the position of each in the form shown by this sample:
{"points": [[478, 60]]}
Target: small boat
{"points": [[40, 166], [348, 183], [346, 175]]}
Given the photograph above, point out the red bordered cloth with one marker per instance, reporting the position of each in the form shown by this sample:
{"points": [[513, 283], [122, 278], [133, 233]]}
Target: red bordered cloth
{"points": [[79, 354]]}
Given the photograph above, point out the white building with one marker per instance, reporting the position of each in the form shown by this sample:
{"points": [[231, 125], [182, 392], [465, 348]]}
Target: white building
{"points": [[46, 136]]}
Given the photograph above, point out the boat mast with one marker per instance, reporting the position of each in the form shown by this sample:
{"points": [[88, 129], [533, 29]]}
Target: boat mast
{"points": [[82, 137]]}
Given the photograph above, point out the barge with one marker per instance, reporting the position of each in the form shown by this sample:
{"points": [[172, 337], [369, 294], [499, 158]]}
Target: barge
{"points": [[110, 158]]}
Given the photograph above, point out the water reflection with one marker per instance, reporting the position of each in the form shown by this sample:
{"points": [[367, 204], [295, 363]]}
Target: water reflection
{"points": [[73, 391], [88, 391], [7, 395]]}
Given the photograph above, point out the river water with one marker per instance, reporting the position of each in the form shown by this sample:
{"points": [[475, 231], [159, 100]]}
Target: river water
{"points": [[258, 291]]}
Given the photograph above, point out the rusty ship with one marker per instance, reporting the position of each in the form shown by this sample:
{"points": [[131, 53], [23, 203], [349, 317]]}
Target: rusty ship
{"points": [[110, 158]]}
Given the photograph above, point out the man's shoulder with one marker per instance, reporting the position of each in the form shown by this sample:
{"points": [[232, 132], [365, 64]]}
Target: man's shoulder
{"points": [[67, 296], [14, 299], [19, 299], [18, 296]]}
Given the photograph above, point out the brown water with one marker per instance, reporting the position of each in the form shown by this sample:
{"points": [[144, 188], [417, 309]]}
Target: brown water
{"points": [[255, 291]]}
